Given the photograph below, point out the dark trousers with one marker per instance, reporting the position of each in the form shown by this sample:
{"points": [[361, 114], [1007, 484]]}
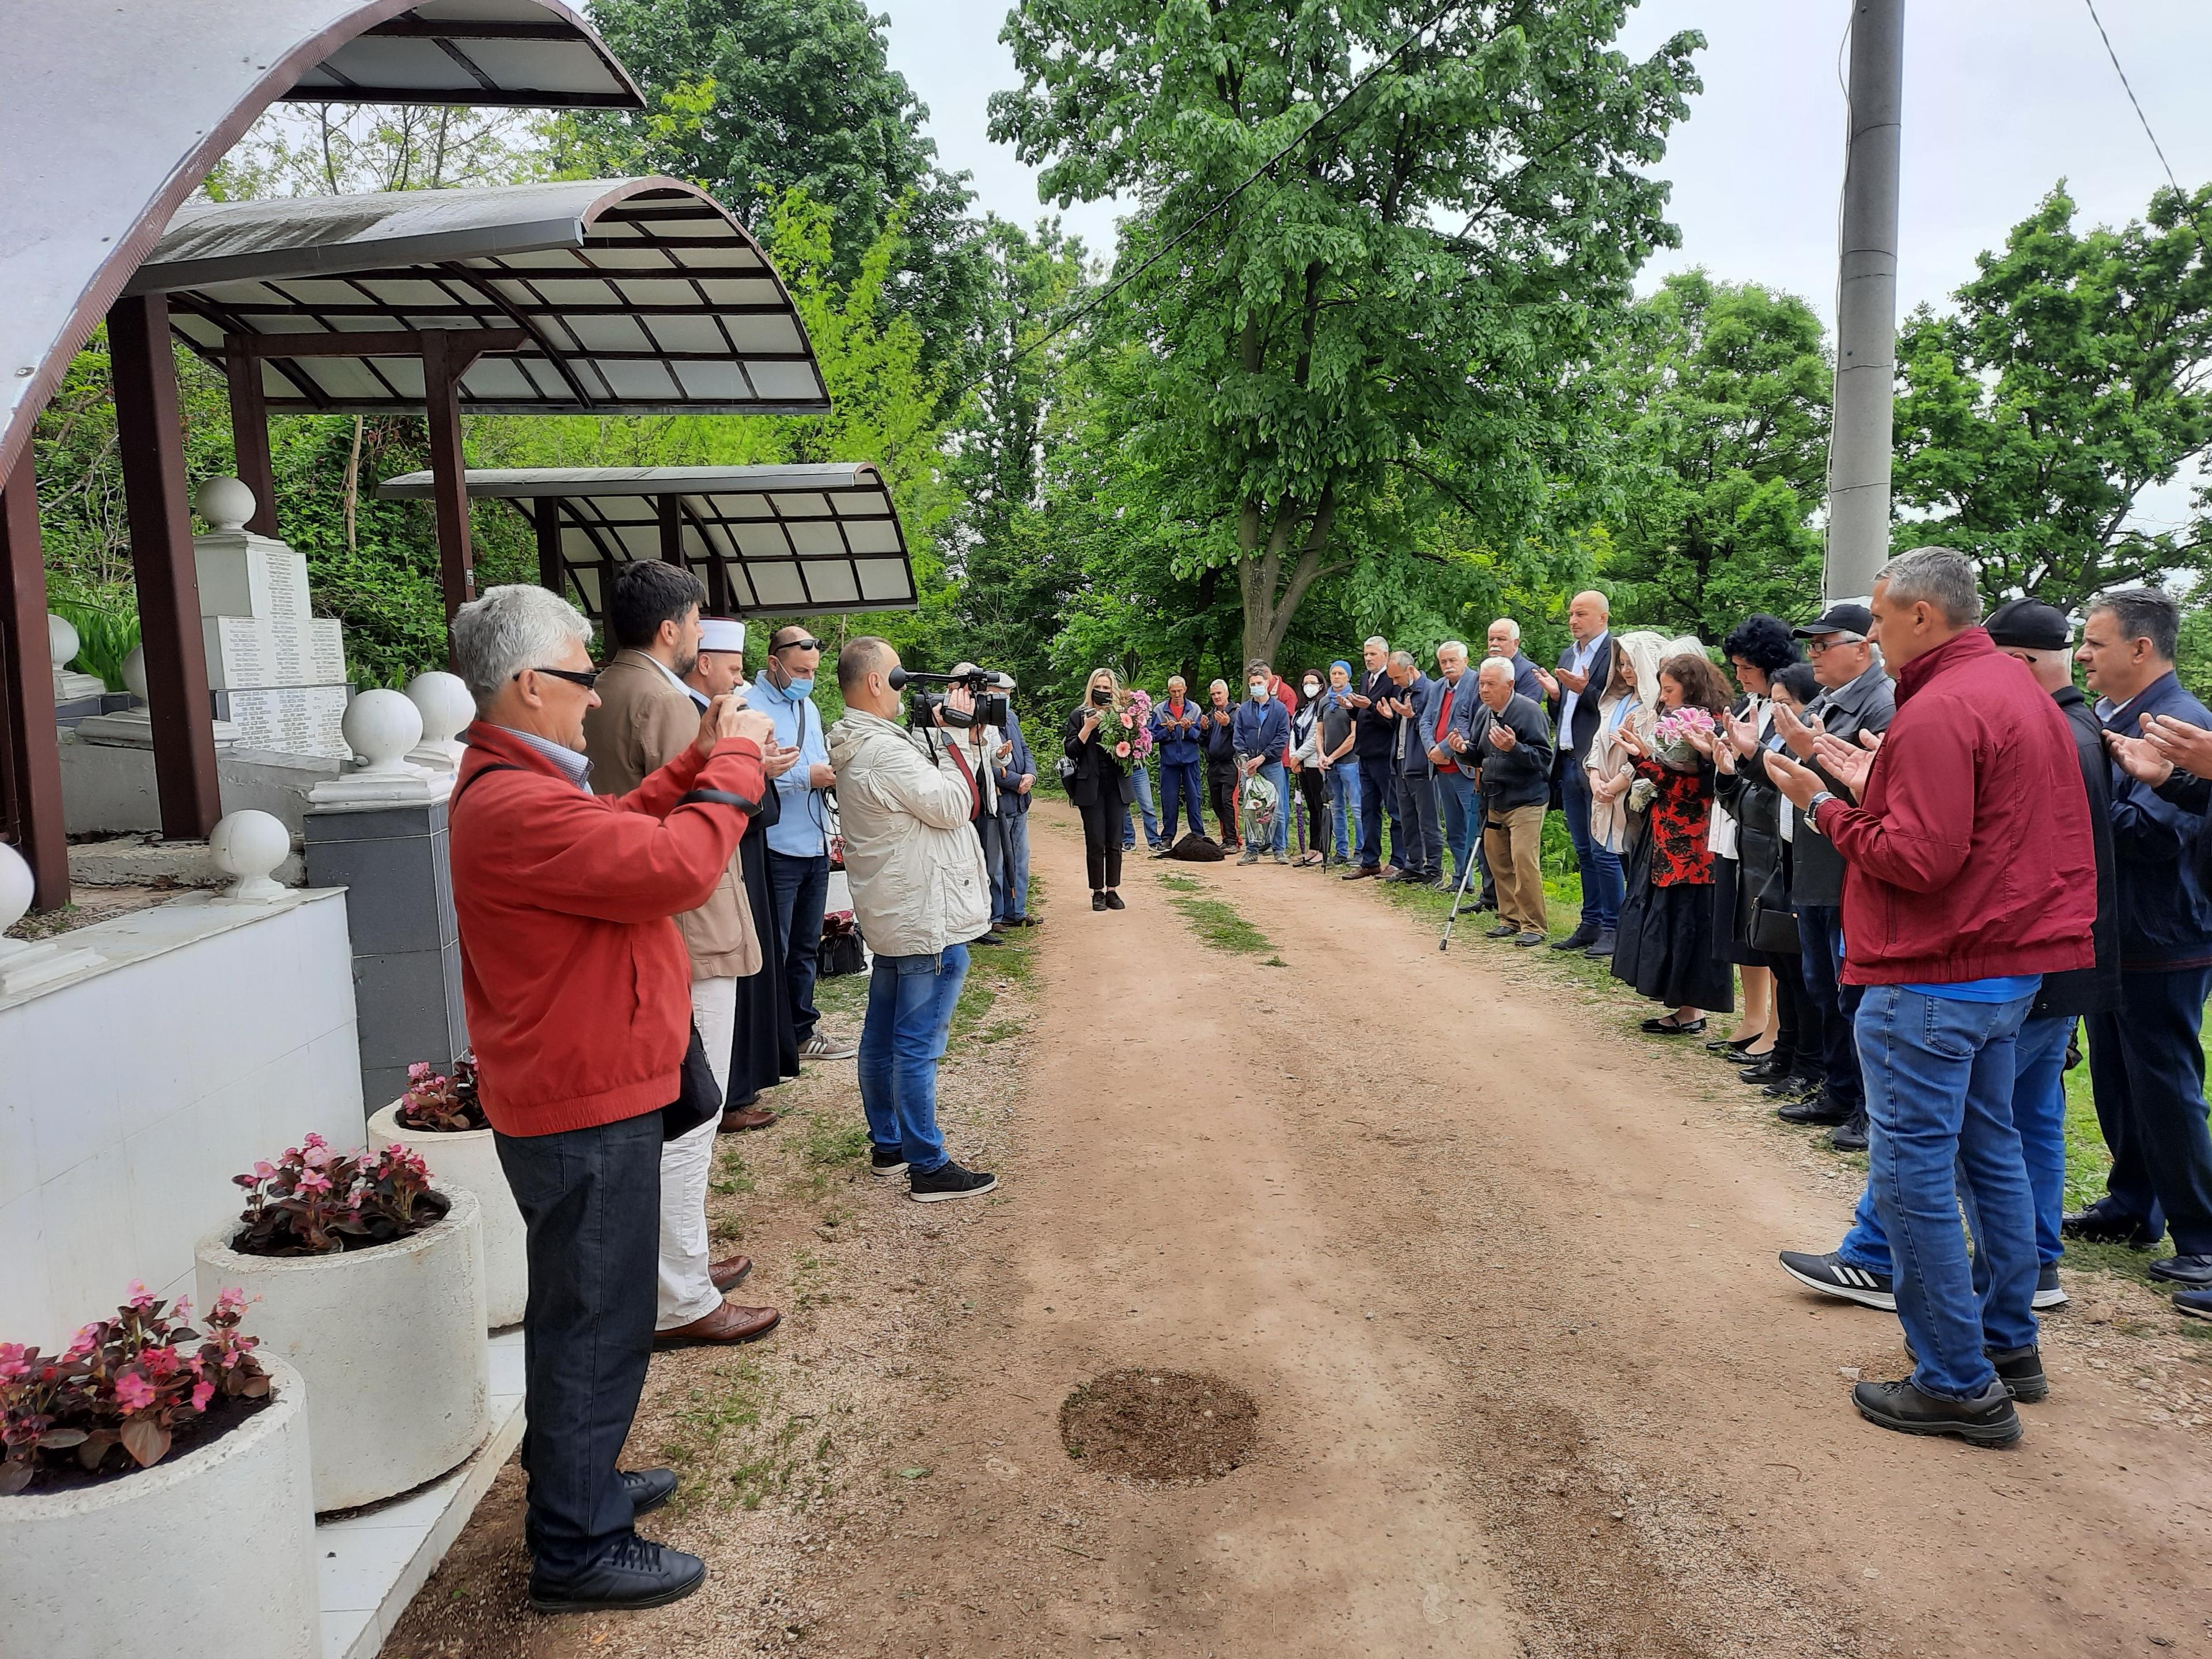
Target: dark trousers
{"points": [[1798, 1030], [1313, 785], [1424, 846], [1378, 798], [2148, 1069], [591, 1208], [1221, 788], [1602, 882], [1179, 788], [801, 888], [1102, 840], [1835, 1004]]}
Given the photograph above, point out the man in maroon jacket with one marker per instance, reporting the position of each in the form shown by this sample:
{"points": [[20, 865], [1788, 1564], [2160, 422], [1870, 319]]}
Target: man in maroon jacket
{"points": [[1970, 872]]}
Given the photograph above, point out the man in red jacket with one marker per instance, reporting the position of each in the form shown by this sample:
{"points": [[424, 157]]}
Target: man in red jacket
{"points": [[1970, 872], [577, 987]]}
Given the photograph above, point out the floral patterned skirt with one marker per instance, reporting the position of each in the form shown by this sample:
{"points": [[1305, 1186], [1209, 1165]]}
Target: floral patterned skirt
{"points": [[1665, 945]]}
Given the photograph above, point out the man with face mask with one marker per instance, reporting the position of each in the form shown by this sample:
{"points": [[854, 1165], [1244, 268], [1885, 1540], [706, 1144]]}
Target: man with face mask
{"points": [[798, 841], [1261, 729]]}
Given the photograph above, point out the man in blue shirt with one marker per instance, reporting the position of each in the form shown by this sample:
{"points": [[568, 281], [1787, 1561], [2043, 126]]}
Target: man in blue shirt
{"points": [[798, 841], [1178, 726], [1261, 729]]}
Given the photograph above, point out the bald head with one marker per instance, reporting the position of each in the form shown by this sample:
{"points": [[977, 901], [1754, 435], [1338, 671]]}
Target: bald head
{"points": [[864, 675], [1586, 614]]}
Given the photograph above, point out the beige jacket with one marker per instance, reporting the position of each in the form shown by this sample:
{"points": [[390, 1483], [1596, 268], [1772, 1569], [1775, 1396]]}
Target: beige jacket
{"points": [[643, 722], [912, 857]]}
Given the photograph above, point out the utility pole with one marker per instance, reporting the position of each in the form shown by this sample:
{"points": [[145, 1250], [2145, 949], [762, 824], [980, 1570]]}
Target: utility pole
{"points": [[1865, 305]]}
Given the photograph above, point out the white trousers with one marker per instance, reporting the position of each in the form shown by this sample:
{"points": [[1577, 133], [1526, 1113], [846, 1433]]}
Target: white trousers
{"points": [[686, 1291]]}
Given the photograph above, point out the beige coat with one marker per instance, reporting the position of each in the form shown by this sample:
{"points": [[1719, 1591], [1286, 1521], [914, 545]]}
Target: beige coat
{"points": [[643, 722], [912, 857]]}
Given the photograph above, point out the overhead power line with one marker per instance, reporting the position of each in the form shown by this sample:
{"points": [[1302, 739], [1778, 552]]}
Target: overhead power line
{"points": [[2131, 92]]}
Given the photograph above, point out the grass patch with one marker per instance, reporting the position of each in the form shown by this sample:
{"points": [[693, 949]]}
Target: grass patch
{"points": [[1216, 921], [729, 1440]]}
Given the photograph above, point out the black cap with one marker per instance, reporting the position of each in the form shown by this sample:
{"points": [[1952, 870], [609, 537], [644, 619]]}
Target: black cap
{"points": [[1838, 619], [2030, 625]]}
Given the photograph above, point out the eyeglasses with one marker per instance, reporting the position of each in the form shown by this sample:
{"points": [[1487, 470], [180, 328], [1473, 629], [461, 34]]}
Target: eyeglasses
{"points": [[1819, 647], [797, 645], [585, 677]]}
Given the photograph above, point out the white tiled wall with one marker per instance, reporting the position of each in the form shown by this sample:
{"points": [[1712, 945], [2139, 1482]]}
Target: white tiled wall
{"points": [[129, 1096]]}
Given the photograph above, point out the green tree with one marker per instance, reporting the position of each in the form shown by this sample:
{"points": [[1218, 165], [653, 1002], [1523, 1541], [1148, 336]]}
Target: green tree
{"points": [[1320, 336], [1724, 392], [756, 97], [2075, 374]]}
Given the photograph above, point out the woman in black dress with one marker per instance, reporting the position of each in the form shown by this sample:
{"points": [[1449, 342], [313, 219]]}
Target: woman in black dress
{"points": [[1099, 787], [764, 1047], [1757, 648]]}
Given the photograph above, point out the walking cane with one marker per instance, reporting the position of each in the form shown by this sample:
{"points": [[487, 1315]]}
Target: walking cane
{"points": [[1458, 894]]}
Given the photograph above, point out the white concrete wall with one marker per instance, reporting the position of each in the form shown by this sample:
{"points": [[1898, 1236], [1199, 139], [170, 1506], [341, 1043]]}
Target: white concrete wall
{"points": [[209, 1037]]}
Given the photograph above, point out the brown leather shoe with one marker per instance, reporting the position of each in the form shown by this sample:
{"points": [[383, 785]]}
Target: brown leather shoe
{"points": [[729, 1273], [740, 1118], [727, 1323]]}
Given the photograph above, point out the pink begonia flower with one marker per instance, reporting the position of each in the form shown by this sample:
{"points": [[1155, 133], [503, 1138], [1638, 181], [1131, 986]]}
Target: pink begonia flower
{"points": [[134, 1393], [417, 1070], [311, 1182], [161, 1362], [202, 1393], [86, 1339], [232, 1301], [141, 1297], [12, 1363], [263, 1169], [183, 1311]]}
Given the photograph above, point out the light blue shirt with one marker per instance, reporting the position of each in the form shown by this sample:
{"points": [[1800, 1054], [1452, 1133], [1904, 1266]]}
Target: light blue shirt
{"points": [[1579, 661], [802, 830], [574, 762]]}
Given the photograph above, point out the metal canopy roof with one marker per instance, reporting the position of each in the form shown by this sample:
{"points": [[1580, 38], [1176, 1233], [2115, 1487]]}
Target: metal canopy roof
{"points": [[784, 540], [112, 113], [636, 294]]}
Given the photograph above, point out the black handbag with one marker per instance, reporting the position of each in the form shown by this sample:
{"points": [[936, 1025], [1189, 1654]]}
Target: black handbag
{"points": [[698, 1098], [839, 953], [1773, 928]]}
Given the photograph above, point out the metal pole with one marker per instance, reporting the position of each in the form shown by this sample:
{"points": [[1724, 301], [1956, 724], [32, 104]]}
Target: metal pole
{"points": [[30, 756], [1865, 305]]}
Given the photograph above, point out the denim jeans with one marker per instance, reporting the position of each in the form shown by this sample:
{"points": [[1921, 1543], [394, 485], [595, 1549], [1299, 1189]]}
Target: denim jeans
{"points": [[1344, 803], [1378, 800], [1602, 882], [1182, 789], [1939, 1086], [591, 1215], [909, 1012], [801, 888], [1462, 816], [2149, 1070], [1280, 841], [1007, 851], [1143, 780], [1820, 943]]}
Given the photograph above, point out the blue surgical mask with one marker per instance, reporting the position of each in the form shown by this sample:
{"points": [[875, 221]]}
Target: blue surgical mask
{"points": [[1258, 690], [799, 690]]}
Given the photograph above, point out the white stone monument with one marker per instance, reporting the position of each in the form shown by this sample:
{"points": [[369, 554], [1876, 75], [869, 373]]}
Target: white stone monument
{"points": [[382, 726], [133, 728], [277, 668], [24, 966], [62, 643]]}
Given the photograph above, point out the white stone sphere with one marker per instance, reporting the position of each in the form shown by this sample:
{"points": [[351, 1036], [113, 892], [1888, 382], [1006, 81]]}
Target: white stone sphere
{"points": [[62, 641], [445, 703], [249, 844], [225, 503], [382, 726], [134, 673], [16, 886]]}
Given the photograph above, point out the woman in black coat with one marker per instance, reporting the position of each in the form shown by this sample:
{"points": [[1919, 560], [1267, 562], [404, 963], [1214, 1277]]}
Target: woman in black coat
{"points": [[1100, 786]]}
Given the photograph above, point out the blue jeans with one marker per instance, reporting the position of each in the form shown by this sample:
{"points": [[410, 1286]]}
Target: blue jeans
{"points": [[1462, 817], [1820, 941], [909, 1012], [1275, 773], [1344, 803], [1182, 786], [1006, 854], [1939, 1086], [1602, 883], [801, 888], [1143, 780], [1378, 800], [2149, 1070]]}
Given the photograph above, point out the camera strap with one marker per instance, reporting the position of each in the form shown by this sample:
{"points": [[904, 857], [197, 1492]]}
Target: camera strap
{"points": [[719, 798]]}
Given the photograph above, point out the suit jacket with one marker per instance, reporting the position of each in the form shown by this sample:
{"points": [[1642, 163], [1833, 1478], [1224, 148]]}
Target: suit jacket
{"points": [[2166, 915], [1423, 695], [1376, 732], [1012, 802], [1574, 744], [1097, 775], [1466, 704], [644, 720]]}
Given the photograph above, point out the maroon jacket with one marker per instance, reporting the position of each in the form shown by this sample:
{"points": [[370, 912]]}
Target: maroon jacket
{"points": [[1971, 856]]}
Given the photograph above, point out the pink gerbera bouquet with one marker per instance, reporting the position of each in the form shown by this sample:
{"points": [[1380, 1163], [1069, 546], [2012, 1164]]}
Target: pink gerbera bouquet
{"points": [[1671, 745]]}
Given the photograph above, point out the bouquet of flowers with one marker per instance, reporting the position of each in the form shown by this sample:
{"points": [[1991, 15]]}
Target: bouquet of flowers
{"points": [[1124, 727], [1671, 746]]}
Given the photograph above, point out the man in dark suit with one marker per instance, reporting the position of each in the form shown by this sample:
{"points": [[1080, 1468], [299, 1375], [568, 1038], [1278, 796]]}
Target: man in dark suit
{"points": [[1412, 706], [1584, 671], [1006, 847], [1378, 774], [2145, 1058]]}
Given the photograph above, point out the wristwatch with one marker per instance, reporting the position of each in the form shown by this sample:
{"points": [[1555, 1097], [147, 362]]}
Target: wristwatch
{"points": [[1813, 806]]}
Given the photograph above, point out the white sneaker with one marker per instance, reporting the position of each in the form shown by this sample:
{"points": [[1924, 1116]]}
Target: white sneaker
{"points": [[818, 1047]]}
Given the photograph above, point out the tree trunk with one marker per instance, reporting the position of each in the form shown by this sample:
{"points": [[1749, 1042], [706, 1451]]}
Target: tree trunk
{"points": [[1271, 595]]}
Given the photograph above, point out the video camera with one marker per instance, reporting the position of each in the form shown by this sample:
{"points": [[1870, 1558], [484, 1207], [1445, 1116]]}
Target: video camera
{"points": [[925, 709]]}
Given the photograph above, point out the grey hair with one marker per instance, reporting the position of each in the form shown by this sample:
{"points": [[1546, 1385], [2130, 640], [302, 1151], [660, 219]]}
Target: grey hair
{"points": [[1459, 646], [1221, 684], [1376, 640], [1512, 628], [1503, 664], [504, 630], [1936, 576], [2143, 613], [1403, 660]]}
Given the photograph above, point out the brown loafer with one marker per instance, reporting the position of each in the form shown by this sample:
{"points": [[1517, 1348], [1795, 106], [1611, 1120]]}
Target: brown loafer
{"points": [[729, 1273], [727, 1323], [740, 1118]]}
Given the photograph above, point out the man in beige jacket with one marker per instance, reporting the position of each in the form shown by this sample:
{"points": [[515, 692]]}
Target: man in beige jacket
{"points": [[645, 710]]}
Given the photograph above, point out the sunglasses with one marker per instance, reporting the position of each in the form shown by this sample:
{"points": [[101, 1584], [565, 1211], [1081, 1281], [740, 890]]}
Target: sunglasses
{"points": [[797, 645], [585, 677]]}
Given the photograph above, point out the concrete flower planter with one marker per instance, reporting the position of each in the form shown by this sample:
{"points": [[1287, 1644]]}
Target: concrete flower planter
{"points": [[391, 1340], [216, 1544], [471, 1162]]}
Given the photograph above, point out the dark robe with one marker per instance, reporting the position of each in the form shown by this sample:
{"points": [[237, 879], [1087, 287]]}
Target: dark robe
{"points": [[765, 1048]]}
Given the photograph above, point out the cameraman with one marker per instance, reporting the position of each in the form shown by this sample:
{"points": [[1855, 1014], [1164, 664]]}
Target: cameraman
{"points": [[906, 801]]}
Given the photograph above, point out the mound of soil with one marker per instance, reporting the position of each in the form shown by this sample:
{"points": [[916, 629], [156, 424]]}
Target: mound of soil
{"points": [[1159, 1426]]}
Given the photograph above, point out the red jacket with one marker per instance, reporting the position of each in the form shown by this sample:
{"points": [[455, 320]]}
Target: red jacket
{"points": [[1971, 856], [577, 984]]}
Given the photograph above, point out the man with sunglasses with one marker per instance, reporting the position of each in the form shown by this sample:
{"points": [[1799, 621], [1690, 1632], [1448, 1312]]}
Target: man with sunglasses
{"points": [[798, 841]]}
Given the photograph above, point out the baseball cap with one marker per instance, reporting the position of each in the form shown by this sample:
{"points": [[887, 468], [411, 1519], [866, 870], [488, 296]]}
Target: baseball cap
{"points": [[1854, 619], [2030, 625]]}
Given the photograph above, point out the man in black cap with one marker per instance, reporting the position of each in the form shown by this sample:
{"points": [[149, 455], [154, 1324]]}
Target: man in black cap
{"points": [[1859, 1269], [1856, 696]]}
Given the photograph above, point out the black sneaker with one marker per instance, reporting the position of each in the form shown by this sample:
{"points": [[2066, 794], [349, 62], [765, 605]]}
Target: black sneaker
{"points": [[1832, 1275], [1114, 900], [988, 939], [948, 1180], [634, 1573], [2049, 1293], [885, 1161], [1581, 939], [1098, 901], [2105, 1223], [2190, 1271], [1601, 950], [1823, 1110], [646, 1489], [2198, 1304], [1989, 1421], [2020, 1371], [1851, 1136]]}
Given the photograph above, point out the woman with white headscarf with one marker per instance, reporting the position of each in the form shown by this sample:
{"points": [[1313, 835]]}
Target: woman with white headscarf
{"points": [[1629, 699]]}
